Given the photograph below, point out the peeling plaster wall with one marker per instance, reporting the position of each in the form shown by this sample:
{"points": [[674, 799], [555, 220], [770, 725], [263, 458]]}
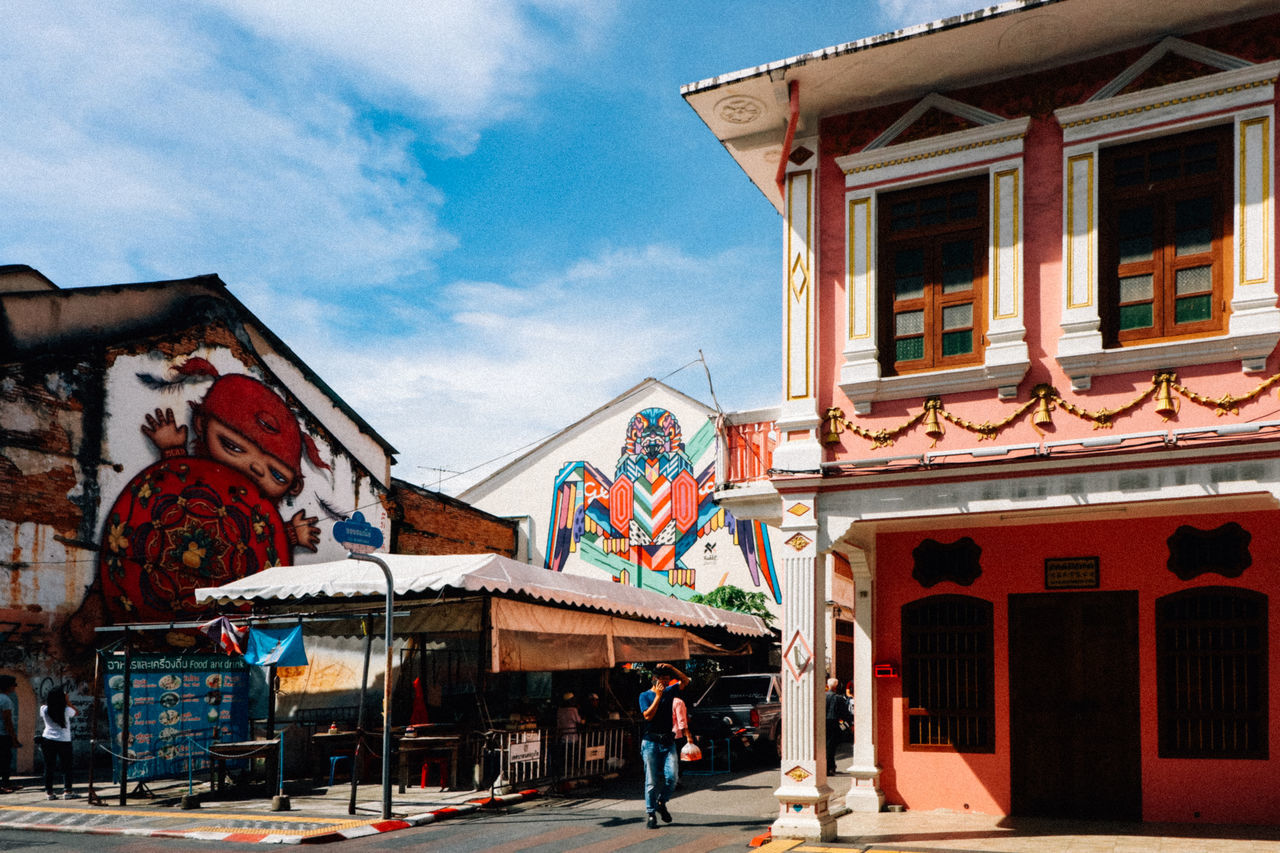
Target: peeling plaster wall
{"points": [[71, 442]]}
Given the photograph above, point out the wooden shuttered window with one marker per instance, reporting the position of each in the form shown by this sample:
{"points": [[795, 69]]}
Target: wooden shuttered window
{"points": [[1165, 220], [947, 673], [1212, 682], [932, 267]]}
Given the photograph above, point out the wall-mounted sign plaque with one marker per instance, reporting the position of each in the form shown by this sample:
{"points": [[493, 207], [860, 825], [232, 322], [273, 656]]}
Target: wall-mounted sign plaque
{"points": [[1071, 573]]}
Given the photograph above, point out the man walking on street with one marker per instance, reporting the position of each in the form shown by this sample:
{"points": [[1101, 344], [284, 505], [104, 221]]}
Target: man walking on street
{"points": [[837, 713], [656, 743]]}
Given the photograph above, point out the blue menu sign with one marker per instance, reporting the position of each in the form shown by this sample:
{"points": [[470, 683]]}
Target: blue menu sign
{"points": [[178, 706]]}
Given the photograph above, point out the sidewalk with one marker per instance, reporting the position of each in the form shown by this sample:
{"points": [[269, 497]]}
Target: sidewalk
{"points": [[320, 815], [314, 816]]}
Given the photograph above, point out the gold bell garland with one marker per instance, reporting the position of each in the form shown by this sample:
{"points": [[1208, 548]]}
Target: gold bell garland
{"points": [[1044, 398]]}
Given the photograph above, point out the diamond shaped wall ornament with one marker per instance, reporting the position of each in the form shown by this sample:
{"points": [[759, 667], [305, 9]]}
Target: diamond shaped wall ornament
{"points": [[799, 277], [799, 656], [799, 541], [798, 773], [798, 509]]}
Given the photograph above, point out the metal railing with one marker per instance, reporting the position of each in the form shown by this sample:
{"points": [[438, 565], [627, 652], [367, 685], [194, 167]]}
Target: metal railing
{"points": [[539, 756]]}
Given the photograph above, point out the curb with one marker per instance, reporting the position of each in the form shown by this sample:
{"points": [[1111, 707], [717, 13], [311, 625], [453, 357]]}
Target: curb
{"points": [[249, 835], [434, 816]]}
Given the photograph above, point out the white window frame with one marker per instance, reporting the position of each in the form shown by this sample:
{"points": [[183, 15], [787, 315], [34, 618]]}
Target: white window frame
{"points": [[994, 149], [1243, 97]]}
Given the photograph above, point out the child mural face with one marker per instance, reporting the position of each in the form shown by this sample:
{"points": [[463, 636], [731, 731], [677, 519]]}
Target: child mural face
{"points": [[227, 446], [243, 424]]}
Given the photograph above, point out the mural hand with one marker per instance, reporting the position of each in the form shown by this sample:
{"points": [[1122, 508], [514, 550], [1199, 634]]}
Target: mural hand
{"points": [[164, 431], [305, 531]]}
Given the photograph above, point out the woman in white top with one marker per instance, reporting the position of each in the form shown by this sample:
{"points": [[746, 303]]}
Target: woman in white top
{"points": [[56, 715]]}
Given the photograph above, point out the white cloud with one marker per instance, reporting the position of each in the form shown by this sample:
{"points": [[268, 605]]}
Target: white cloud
{"points": [[133, 147], [908, 13], [467, 64], [510, 365], [146, 142]]}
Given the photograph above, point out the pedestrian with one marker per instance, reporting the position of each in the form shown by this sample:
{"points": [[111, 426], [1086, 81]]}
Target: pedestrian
{"points": [[568, 720], [679, 731], [837, 713], [592, 713], [8, 731], [848, 695], [657, 751], [55, 743]]}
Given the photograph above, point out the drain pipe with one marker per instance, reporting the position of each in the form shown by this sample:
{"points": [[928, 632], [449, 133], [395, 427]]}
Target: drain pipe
{"points": [[793, 94]]}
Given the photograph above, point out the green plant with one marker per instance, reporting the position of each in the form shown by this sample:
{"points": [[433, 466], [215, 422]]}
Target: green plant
{"points": [[730, 597]]}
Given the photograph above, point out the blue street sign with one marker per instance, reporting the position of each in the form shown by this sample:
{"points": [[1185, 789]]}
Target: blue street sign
{"points": [[356, 534]]}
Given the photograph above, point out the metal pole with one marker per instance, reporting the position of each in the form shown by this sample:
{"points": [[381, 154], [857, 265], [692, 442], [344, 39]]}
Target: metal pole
{"points": [[124, 722], [357, 757], [386, 684]]}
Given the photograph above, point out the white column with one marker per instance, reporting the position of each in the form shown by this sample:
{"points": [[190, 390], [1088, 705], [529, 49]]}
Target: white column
{"points": [[803, 794], [864, 794]]}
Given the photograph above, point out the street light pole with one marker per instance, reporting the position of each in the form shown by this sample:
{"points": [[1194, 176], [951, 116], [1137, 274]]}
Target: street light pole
{"points": [[386, 686]]}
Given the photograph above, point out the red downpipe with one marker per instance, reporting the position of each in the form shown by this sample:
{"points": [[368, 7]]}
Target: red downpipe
{"points": [[793, 92]]}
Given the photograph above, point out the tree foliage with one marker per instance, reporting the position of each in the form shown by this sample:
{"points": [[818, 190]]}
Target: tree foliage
{"points": [[730, 597]]}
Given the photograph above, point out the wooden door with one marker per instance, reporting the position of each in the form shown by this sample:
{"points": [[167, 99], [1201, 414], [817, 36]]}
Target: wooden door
{"points": [[1074, 709]]}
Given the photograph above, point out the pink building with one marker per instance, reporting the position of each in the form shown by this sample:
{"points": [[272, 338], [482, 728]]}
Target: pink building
{"points": [[1028, 403]]}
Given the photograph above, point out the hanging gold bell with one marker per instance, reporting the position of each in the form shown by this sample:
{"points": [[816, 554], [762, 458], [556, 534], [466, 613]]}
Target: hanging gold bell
{"points": [[1166, 406], [833, 425], [932, 426], [1044, 409]]}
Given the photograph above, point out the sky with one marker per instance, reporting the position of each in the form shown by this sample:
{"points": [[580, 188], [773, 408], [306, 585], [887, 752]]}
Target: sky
{"points": [[476, 220]]}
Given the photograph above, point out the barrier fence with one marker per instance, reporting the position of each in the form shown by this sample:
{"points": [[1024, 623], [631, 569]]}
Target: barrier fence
{"points": [[537, 756]]}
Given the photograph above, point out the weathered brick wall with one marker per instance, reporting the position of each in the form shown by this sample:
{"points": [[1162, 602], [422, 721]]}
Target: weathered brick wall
{"points": [[42, 438], [425, 522]]}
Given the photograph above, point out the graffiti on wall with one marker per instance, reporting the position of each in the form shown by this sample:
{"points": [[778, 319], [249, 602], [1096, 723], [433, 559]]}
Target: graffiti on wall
{"points": [[207, 512], [643, 521]]}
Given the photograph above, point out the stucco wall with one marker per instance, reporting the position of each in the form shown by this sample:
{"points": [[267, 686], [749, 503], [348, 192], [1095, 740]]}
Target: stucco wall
{"points": [[73, 451], [526, 490], [1132, 555]]}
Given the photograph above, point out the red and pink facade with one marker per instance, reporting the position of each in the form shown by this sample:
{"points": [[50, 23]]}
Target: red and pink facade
{"points": [[1029, 381]]}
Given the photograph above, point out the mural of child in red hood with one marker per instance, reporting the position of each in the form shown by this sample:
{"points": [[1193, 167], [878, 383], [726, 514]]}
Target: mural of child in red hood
{"points": [[209, 516]]}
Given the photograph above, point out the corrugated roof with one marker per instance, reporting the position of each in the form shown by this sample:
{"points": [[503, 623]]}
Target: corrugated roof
{"points": [[416, 576]]}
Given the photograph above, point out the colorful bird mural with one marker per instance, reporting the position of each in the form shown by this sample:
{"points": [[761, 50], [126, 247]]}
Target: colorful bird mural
{"points": [[650, 513]]}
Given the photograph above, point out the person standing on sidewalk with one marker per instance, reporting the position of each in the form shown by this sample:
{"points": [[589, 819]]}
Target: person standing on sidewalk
{"points": [[8, 731], [55, 744], [656, 744]]}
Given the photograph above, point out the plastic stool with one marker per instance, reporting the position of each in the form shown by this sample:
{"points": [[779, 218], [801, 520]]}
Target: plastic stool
{"points": [[333, 765], [442, 764]]}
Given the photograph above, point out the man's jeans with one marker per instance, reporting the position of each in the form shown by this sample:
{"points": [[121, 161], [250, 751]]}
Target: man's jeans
{"points": [[661, 763]]}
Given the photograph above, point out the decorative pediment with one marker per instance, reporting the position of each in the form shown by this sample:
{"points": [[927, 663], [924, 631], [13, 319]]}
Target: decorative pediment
{"points": [[935, 115], [1171, 61]]}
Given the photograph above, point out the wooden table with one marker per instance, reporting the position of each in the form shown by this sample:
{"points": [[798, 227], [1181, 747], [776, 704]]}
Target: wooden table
{"points": [[415, 749]]}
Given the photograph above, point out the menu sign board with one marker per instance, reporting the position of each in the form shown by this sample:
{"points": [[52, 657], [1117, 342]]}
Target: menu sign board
{"points": [[177, 703]]}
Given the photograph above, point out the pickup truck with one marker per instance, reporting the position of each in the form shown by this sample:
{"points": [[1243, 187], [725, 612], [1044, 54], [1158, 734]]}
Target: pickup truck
{"points": [[745, 709]]}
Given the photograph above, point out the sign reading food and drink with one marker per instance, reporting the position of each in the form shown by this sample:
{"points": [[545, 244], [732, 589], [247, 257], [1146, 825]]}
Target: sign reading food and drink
{"points": [[177, 704]]}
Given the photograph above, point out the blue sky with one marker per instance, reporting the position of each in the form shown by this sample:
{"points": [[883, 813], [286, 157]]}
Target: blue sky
{"points": [[477, 220]]}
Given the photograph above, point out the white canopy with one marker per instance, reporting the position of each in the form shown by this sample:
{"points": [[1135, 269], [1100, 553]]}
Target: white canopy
{"points": [[415, 576]]}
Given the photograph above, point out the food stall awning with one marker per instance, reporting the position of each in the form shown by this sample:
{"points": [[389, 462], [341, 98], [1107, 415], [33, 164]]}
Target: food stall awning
{"points": [[425, 577]]}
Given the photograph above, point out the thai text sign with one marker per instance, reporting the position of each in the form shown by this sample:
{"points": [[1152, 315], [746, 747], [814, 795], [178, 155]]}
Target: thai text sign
{"points": [[1071, 573], [177, 705]]}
